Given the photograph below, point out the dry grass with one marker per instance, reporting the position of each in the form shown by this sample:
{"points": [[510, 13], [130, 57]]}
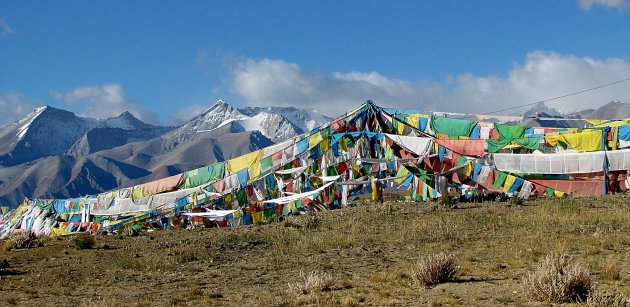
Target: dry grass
{"points": [[601, 299], [369, 251], [611, 271], [23, 239], [557, 280], [435, 269], [312, 282], [84, 241]]}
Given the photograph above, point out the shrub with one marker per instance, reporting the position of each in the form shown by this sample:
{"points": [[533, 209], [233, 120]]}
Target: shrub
{"points": [[23, 239], [313, 222], [312, 282], [600, 299], [558, 281], [184, 256], [449, 200], [435, 269], [83, 241]]}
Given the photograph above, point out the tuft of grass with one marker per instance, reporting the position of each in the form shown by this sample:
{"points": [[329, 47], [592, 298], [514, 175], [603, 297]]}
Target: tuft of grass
{"points": [[601, 299], [23, 239], [11, 300], [312, 282], [145, 302], [556, 280], [611, 271], [449, 200], [84, 241], [184, 256], [435, 269]]}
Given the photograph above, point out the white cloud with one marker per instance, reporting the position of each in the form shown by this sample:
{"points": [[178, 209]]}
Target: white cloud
{"points": [[5, 29], [13, 106], [542, 75], [609, 4], [276, 82], [103, 101]]}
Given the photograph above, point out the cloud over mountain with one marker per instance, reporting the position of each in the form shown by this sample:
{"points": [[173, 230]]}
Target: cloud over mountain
{"points": [[14, 106], [102, 101], [542, 75]]}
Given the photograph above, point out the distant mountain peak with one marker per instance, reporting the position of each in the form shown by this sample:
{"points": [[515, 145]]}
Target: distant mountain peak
{"points": [[126, 121], [542, 110], [612, 110], [126, 114]]}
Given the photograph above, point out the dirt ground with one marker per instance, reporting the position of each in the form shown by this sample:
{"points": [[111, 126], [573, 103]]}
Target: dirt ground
{"points": [[369, 251]]}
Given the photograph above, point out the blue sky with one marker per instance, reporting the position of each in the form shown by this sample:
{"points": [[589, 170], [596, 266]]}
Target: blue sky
{"points": [[166, 61]]}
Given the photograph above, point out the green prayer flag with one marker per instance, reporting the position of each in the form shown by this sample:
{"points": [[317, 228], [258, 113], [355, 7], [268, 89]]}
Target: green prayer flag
{"points": [[529, 143], [510, 131], [241, 197], [268, 213], [453, 127], [332, 171], [265, 164], [549, 192], [218, 170], [498, 182], [495, 145]]}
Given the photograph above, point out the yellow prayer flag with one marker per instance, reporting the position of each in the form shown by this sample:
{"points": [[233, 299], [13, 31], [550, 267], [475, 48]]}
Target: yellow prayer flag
{"points": [[244, 161], [509, 181], [314, 139], [257, 217], [138, 192], [582, 141], [402, 172], [254, 171], [325, 145]]}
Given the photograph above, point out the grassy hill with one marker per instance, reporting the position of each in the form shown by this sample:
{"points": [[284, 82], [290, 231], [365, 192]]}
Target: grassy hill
{"points": [[363, 255]]}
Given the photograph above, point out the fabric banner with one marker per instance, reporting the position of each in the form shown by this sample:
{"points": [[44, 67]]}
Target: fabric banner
{"points": [[582, 141], [244, 161], [474, 148], [295, 170], [510, 131], [417, 145], [164, 184], [564, 163], [576, 188], [211, 214], [453, 127], [294, 197], [624, 133]]}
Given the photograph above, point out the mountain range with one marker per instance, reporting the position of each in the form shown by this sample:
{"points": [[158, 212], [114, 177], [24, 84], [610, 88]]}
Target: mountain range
{"points": [[52, 153], [543, 116]]}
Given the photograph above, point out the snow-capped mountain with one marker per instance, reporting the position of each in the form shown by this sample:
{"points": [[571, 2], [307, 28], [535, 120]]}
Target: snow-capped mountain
{"points": [[210, 119], [48, 131], [126, 121], [275, 126], [305, 119], [54, 153]]}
